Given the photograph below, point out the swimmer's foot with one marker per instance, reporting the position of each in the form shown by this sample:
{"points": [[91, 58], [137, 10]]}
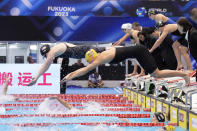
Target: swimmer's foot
{"points": [[180, 68], [187, 80], [132, 74], [141, 74]]}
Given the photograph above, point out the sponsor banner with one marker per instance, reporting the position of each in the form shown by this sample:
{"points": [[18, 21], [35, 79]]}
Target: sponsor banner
{"points": [[148, 102], [143, 101], [153, 104], [159, 106], [124, 92], [173, 114], [192, 122], [129, 94], [21, 74], [165, 109], [135, 97], [77, 8], [183, 119], [139, 99], [131, 98]]}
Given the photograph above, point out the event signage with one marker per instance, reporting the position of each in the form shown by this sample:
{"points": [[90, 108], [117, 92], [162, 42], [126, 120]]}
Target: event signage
{"points": [[21, 74]]}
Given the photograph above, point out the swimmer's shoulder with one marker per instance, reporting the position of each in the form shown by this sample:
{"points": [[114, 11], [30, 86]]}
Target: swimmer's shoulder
{"points": [[61, 44], [171, 27]]}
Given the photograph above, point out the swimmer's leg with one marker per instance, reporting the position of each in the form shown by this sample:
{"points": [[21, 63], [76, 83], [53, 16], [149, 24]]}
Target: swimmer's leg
{"points": [[177, 53], [171, 73], [134, 71], [142, 72], [186, 57]]}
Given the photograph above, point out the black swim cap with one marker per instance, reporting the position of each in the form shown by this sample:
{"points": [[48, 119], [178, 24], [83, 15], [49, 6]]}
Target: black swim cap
{"points": [[152, 12], [160, 116], [44, 49], [160, 24]]}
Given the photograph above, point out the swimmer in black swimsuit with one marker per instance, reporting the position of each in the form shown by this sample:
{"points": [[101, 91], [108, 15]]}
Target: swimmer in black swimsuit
{"points": [[148, 41], [130, 32], [179, 45], [62, 50], [167, 53], [191, 35], [115, 55], [146, 30]]}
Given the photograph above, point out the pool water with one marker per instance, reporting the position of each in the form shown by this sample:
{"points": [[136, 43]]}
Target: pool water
{"points": [[72, 123]]}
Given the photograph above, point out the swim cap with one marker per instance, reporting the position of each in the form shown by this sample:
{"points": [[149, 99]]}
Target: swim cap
{"points": [[160, 116], [127, 26], [44, 49], [160, 24], [169, 128], [152, 12], [91, 55]]}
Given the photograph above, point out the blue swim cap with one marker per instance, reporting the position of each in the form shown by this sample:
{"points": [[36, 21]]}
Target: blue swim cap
{"points": [[152, 12]]}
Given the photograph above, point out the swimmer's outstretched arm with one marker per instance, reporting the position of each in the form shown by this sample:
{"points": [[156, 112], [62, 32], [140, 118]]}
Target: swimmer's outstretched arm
{"points": [[80, 72], [125, 120], [63, 103], [136, 39], [54, 52], [42, 70], [159, 40], [6, 85], [102, 58], [121, 40]]}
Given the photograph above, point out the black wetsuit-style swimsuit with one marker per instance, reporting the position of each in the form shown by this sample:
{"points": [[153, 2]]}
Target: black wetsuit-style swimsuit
{"points": [[176, 35], [140, 53], [79, 51]]}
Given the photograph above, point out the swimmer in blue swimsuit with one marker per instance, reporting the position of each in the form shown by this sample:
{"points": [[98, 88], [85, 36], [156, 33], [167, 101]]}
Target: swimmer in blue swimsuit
{"points": [[154, 15]]}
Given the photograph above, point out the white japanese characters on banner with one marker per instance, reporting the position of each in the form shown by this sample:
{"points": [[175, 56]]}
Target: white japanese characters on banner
{"points": [[21, 74]]}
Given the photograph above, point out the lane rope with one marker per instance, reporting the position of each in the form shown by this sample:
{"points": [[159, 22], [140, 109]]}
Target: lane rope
{"points": [[77, 115], [86, 124], [35, 105]]}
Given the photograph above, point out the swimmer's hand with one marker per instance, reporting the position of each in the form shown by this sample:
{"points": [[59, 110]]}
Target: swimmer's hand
{"points": [[33, 81], [150, 50], [66, 78], [7, 79]]}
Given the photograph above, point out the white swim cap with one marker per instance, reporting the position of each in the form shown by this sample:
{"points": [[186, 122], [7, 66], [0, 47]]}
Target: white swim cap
{"points": [[127, 26]]}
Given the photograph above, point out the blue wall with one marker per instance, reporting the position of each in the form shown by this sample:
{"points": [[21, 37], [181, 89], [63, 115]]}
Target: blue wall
{"points": [[79, 20]]}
